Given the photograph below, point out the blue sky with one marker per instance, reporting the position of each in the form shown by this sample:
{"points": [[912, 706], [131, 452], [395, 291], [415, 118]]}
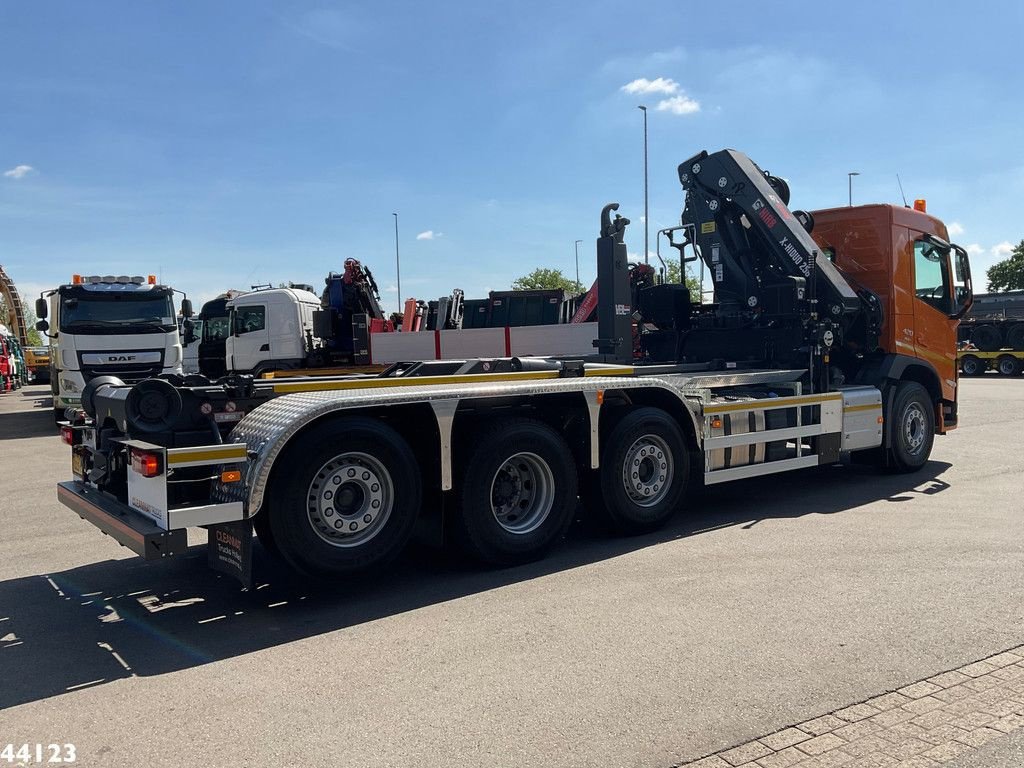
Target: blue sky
{"points": [[231, 143]]}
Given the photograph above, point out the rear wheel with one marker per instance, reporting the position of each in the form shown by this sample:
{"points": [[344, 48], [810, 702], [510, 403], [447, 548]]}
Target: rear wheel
{"points": [[971, 365], [344, 499], [518, 493], [1008, 365], [644, 466], [912, 427]]}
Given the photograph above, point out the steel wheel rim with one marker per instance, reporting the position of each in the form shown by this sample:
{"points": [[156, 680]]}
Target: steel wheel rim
{"points": [[970, 367], [522, 493], [1006, 367], [647, 470], [913, 427], [350, 499]]}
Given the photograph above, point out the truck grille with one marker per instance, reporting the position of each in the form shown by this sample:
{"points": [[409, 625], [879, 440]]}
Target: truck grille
{"points": [[149, 364], [127, 373]]}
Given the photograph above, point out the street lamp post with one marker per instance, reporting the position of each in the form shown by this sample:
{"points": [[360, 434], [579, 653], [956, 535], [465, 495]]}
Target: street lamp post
{"points": [[398, 265], [578, 261], [849, 179], [646, 217]]}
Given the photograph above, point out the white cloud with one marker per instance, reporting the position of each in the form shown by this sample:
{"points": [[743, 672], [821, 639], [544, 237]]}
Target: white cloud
{"points": [[1002, 250], [19, 171], [974, 249], [955, 229], [657, 85], [679, 105], [429, 235]]}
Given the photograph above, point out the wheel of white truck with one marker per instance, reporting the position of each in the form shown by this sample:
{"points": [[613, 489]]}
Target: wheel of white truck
{"points": [[644, 466], [1008, 365], [344, 498], [913, 427], [518, 492], [972, 366]]}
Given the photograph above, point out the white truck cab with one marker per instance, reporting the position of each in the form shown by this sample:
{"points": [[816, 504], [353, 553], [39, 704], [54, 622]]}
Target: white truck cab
{"points": [[118, 326], [269, 329]]}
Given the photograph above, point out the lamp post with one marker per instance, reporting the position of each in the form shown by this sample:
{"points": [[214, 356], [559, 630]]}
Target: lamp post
{"points": [[646, 217], [578, 261], [398, 265], [849, 179]]}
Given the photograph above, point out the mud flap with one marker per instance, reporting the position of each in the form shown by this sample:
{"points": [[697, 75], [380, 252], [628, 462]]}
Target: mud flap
{"points": [[229, 550]]}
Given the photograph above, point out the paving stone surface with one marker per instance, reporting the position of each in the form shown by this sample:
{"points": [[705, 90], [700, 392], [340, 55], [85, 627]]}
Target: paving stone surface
{"points": [[921, 725]]}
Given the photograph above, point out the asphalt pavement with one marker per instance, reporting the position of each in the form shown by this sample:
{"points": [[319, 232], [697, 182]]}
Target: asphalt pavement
{"points": [[764, 604]]}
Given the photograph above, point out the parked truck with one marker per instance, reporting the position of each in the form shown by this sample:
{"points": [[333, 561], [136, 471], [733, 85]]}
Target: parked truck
{"points": [[108, 326], [992, 335], [831, 334]]}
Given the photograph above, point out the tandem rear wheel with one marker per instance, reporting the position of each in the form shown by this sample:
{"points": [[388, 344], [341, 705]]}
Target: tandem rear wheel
{"points": [[518, 493], [972, 365], [345, 498]]}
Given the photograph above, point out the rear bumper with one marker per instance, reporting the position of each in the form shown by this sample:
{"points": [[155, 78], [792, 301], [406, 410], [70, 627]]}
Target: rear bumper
{"points": [[119, 521]]}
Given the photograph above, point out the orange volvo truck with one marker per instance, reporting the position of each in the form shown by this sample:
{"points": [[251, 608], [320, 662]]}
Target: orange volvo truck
{"points": [[829, 335]]}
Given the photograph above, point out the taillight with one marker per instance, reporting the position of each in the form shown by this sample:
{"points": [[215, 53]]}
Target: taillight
{"points": [[146, 464], [69, 435]]}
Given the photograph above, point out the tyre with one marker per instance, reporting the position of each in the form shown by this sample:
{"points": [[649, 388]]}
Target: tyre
{"points": [[971, 365], [913, 427], [518, 493], [343, 499], [987, 338], [644, 467], [1015, 336], [261, 525], [1008, 365]]}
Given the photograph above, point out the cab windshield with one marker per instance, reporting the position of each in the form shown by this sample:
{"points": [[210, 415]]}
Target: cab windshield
{"points": [[117, 312]]}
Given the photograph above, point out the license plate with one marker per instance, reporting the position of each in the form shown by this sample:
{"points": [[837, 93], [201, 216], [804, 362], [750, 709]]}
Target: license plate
{"points": [[76, 465], [221, 418]]}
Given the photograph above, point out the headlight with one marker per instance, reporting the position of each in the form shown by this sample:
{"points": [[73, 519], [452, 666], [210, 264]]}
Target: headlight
{"points": [[69, 385]]}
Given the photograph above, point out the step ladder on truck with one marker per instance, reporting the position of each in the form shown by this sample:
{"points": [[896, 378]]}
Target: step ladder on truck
{"points": [[808, 353]]}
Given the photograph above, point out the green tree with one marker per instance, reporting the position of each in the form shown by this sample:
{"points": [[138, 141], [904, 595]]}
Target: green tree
{"points": [[674, 274], [1008, 274], [35, 339], [546, 279]]}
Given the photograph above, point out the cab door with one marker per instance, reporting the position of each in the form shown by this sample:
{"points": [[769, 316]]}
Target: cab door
{"points": [[249, 344], [934, 308]]}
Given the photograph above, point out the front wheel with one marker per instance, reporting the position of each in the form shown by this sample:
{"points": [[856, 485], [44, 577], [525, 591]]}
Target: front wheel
{"points": [[912, 427], [644, 466], [344, 498], [518, 493]]}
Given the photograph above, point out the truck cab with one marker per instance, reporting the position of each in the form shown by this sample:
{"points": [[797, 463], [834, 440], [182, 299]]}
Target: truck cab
{"points": [[268, 329], [108, 326], [923, 282]]}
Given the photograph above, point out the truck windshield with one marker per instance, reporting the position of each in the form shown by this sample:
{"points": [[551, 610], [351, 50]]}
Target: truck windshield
{"points": [[117, 312], [216, 328]]}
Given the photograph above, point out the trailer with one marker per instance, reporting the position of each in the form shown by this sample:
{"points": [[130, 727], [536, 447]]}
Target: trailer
{"points": [[814, 349]]}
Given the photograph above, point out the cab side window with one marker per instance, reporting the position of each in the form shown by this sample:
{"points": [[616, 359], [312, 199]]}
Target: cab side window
{"points": [[249, 319], [931, 280]]}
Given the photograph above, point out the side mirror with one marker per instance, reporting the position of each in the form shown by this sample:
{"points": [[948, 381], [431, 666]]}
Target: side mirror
{"points": [[42, 326], [41, 308], [186, 308]]}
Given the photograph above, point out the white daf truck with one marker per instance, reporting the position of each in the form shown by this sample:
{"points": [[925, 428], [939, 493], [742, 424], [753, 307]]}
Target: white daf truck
{"points": [[108, 326]]}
